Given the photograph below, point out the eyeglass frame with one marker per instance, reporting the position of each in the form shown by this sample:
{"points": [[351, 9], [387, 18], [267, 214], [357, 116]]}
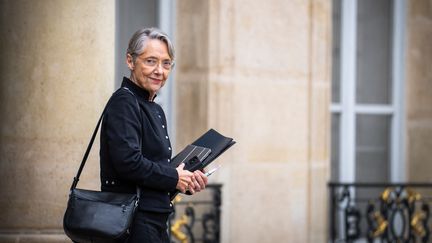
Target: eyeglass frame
{"points": [[157, 62]]}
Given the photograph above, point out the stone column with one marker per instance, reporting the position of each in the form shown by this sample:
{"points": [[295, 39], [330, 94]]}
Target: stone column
{"points": [[419, 90], [259, 71], [56, 73]]}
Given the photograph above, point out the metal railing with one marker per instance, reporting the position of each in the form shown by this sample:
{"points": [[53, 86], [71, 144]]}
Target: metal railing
{"points": [[380, 212], [197, 218]]}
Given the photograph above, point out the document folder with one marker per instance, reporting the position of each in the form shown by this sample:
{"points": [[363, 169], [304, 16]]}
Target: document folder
{"points": [[202, 151], [214, 141], [188, 153]]}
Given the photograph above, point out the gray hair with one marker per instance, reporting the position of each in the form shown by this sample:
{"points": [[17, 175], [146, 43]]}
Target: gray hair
{"points": [[140, 37]]}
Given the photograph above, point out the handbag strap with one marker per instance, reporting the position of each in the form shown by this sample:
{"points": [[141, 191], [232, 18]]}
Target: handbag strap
{"points": [[87, 152], [76, 178]]}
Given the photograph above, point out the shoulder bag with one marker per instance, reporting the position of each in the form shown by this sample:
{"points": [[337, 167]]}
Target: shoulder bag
{"points": [[95, 216]]}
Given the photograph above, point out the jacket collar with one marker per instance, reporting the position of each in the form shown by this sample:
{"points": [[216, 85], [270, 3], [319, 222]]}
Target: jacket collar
{"points": [[142, 93]]}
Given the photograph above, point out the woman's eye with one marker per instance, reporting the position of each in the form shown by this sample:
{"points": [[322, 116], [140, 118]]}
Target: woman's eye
{"points": [[166, 63], [150, 62]]}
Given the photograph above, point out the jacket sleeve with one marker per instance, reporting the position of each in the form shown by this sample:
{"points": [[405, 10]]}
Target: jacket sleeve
{"points": [[123, 134]]}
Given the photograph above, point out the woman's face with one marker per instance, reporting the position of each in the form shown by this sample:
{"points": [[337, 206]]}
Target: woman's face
{"points": [[151, 68]]}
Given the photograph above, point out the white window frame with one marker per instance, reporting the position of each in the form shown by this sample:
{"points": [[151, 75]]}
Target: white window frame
{"points": [[348, 109], [166, 18]]}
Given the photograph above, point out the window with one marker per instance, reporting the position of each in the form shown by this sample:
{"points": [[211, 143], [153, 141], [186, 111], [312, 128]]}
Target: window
{"points": [[367, 138]]}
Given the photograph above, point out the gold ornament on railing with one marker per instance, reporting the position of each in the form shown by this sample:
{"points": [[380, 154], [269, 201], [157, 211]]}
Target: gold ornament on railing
{"points": [[382, 224], [176, 229], [417, 225], [385, 195], [177, 199], [413, 196]]}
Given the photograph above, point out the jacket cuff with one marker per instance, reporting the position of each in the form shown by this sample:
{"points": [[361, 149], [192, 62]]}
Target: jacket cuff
{"points": [[172, 178]]}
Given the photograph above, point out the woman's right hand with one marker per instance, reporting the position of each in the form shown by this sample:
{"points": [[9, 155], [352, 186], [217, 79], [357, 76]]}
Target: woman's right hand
{"points": [[185, 178]]}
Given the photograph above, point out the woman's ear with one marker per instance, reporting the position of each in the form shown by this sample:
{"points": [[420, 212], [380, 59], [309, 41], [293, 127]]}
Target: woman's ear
{"points": [[130, 62]]}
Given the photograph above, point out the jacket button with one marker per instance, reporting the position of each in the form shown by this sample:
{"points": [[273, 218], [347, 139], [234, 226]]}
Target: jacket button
{"points": [[106, 182]]}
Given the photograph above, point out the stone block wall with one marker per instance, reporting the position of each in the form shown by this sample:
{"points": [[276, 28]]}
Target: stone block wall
{"points": [[419, 91], [260, 74], [56, 73]]}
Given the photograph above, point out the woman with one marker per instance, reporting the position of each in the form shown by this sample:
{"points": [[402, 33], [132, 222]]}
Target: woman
{"points": [[135, 147]]}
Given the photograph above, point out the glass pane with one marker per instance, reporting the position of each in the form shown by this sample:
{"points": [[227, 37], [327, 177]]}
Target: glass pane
{"points": [[335, 144], [374, 51], [336, 51], [372, 148]]}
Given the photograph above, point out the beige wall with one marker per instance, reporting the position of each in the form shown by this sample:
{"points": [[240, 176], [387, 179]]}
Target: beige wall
{"points": [[56, 72], [260, 74], [419, 91]]}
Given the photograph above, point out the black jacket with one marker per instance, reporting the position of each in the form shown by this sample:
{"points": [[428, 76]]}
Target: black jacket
{"points": [[135, 149]]}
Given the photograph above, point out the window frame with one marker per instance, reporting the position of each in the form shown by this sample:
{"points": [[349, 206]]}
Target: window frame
{"points": [[348, 109]]}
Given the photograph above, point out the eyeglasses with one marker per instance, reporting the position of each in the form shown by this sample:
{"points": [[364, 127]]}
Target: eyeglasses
{"points": [[153, 62]]}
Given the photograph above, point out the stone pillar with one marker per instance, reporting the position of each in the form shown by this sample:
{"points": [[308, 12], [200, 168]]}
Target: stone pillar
{"points": [[419, 90], [56, 73], [259, 71]]}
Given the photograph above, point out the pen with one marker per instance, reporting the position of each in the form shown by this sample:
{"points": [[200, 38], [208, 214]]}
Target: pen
{"points": [[208, 173]]}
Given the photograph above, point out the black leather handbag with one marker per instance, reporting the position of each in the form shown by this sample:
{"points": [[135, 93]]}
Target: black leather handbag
{"points": [[94, 216]]}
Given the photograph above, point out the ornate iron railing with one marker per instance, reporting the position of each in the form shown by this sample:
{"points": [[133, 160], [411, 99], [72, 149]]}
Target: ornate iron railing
{"points": [[380, 212], [197, 218]]}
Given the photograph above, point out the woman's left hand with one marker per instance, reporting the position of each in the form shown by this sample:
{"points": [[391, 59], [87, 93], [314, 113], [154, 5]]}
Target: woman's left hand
{"points": [[199, 181]]}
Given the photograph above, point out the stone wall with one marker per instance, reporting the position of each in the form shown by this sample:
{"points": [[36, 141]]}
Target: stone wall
{"points": [[258, 71], [56, 73], [419, 91], [260, 74]]}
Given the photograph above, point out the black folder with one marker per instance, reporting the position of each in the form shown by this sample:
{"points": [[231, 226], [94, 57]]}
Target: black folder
{"points": [[212, 142], [189, 153], [203, 151]]}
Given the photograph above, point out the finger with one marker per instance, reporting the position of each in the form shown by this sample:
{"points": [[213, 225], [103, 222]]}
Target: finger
{"points": [[181, 166], [192, 184], [187, 180], [191, 189], [199, 180], [198, 187], [185, 188], [199, 173], [196, 184], [182, 189]]}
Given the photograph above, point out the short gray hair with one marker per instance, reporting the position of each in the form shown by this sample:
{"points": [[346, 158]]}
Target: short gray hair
{"points": [[140, 37]]}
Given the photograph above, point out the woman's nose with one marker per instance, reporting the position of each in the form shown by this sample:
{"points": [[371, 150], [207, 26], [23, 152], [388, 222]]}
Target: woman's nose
{"points": [[158, 68]]}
